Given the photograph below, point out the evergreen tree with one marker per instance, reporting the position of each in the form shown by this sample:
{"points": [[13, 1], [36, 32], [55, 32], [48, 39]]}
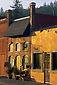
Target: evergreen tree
{"points": [[17, 9], [1, 9]]}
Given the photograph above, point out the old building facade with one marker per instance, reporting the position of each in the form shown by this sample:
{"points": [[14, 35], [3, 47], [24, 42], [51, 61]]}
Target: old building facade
{"points": [[19, 51], [19, 43], [43, 47], [4, 23], [3, 43], [32, 41]]}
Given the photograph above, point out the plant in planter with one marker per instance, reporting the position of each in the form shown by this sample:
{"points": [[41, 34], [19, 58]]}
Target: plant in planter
{"points": [[16, 72], [9, 71], [5, 64]]}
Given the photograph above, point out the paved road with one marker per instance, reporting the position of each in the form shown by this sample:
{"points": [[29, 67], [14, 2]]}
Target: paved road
{"points": [[6, 81]]}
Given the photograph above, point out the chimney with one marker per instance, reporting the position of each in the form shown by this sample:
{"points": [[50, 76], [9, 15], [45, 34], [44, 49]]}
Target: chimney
{"points": [[32, 12], [9, 17]]}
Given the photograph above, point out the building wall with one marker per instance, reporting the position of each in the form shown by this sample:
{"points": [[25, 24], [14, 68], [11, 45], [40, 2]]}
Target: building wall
{"points": [[45, 41], [3, 27], [20, 53], [37, 76], [53, 78], [3, 46], [3, 58]]}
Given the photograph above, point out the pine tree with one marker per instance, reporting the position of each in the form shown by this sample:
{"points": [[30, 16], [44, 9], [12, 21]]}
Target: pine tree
{"points": [[1, 9], [17, 9]]}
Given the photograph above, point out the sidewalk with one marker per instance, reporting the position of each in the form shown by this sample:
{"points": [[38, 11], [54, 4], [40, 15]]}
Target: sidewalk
{"points": [[6, 81]]}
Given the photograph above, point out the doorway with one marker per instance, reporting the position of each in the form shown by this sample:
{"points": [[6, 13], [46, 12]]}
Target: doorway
{"points": [[46, 68]]}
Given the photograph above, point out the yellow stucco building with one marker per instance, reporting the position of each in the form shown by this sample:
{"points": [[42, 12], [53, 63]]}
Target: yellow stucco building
{"points": [[44, 55], [43, 30]]}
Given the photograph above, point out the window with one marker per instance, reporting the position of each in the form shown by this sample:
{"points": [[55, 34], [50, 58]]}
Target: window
{"points": [[25, 46], [54, 61], [10, 61], [18, 62], [25, 61], [37, 60], [18, 47], [11, 47]]}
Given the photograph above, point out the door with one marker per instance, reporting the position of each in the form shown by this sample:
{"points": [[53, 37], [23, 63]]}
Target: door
{"points": [[46, 68]]}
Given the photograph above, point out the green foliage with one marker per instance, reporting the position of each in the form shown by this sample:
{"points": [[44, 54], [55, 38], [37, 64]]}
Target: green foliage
{"points": [[48, 9], [19, 12], [16, 71], [5, 64], [17, 9], [9, 70], [1, 9], [3, 14]]}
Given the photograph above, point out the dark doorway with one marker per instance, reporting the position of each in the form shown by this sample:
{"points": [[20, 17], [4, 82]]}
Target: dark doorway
{"points": [[46, 68]]}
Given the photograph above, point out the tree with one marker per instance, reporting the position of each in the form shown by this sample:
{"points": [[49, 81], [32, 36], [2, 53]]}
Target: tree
{"points": [[55, 3], [51, 5], [45, 5], [17, 9], [1, 9]]}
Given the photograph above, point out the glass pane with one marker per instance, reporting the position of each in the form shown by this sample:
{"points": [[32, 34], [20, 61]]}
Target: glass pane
{"points": [[37, 61], [11, 47], [18, 62], [18, 47], [11, 61]]}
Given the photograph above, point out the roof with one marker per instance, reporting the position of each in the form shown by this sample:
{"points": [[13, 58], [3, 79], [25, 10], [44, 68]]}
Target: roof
{"points": [[20, 27], [44, 20], [2, 17]]}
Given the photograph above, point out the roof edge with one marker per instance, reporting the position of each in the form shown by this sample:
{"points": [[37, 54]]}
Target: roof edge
{"points": [[2, 19], [54, 26], [22, 18]]}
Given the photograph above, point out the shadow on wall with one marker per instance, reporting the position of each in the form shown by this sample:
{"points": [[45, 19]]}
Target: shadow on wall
{"points": [[32, 79], [3, 77]]}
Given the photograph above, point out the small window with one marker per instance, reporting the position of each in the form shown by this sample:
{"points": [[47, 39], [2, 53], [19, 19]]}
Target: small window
{"points": [[37, 61], [18, 47], [25, 61], [11, 61], [11, 47], [25, 46], [18, 62]]}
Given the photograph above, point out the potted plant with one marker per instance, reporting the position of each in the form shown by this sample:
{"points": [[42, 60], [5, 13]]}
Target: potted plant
{"points": [[5, 64], [9, 71], [16, 72]]}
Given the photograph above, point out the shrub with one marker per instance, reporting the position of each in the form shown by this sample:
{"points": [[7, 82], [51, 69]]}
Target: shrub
{"points": [[9, 70], [16, 71]]}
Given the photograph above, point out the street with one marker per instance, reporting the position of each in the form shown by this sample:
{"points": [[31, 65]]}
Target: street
{"points": [[6, 81]]}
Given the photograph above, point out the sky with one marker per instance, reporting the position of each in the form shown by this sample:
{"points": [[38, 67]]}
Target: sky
{"points": [[5, 4]]}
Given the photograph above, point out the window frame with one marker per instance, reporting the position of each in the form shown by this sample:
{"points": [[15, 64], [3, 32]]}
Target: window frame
{"points": [[11, 59], [24, 62], [11, 47], [52, 70], [39, 52], [17, 46], [17, 63], [25, 48]]}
